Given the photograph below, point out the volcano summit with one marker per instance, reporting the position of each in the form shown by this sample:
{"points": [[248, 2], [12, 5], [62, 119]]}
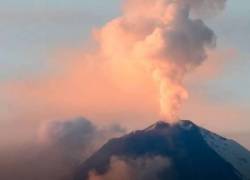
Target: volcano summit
{"points": [[180, 151]]}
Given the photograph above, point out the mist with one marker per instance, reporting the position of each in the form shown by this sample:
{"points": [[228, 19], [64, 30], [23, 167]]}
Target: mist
{"points": [[144, 168], [57, 150]]}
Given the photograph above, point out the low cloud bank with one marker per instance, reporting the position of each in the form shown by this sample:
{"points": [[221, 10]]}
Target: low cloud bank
{"points": [[58, 150], [143, 168]]}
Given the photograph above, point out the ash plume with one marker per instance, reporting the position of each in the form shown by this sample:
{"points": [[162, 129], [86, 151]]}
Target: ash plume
{"points": [[165, 39]]}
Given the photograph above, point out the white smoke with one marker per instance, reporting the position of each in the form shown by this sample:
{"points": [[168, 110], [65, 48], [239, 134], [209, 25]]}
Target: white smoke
{"points": [[162, 36]]}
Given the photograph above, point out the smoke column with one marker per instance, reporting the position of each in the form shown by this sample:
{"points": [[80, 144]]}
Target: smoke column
{"points": [[161, 36]]}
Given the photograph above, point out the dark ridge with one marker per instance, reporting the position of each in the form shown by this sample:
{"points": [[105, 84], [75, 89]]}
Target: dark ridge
{"points": [[191, 157]]}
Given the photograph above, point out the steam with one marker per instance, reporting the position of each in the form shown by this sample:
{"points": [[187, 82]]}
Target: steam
{"points": [[144, 168], [139, 59], [161, 36]]}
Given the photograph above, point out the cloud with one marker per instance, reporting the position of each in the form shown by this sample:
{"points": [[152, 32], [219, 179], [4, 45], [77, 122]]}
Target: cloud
{"points": [[144, 168], [82, 84], [72, 137], [133, 68], [60, 147], [165, 39]]}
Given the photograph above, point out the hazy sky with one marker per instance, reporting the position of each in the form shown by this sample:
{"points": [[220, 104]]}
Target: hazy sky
{"points": [[31, 31]]}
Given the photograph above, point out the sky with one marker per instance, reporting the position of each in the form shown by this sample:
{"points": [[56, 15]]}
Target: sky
{"points": [[34, 29], [33, 32]]}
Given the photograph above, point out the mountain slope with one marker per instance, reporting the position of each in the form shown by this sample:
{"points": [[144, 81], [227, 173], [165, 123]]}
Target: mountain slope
{"points": [[186, 145], [231, 151]]}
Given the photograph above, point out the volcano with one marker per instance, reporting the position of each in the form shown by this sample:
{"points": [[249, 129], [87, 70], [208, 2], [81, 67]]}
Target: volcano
{"points": [[193, 152]]}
